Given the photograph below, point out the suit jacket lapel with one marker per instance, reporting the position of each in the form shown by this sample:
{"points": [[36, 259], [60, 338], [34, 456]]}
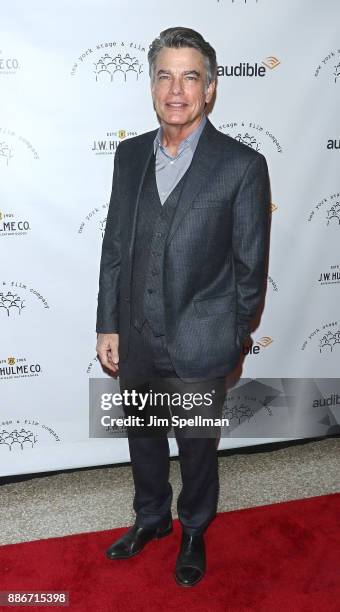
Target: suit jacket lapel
{"points": [[204, 160], [137, 173]]}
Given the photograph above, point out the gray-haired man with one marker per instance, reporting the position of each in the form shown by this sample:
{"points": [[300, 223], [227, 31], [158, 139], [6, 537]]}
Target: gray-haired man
{"points": [[182, 272]]}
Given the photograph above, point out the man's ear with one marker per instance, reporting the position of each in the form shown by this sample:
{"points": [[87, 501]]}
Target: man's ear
{"points": [[209, 92]]}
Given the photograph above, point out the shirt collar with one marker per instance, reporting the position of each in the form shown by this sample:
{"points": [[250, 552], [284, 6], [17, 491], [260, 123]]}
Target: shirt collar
{"points": [[191, 140]]}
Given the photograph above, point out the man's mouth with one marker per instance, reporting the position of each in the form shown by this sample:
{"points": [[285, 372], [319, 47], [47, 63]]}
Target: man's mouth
{"points": [[176, 104]]}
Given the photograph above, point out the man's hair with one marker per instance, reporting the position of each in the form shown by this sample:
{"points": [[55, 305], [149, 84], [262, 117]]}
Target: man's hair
{"points": [[175, 38]]}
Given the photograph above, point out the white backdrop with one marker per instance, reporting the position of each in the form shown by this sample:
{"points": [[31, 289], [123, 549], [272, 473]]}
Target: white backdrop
{"points": [[73, 83]]}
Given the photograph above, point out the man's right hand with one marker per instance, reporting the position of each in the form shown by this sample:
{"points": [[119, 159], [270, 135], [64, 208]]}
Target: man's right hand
{"points": [[107, 350]]}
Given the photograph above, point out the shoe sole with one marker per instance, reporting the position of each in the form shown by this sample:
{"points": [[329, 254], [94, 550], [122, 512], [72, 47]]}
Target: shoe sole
{"points": [[157, 536]]}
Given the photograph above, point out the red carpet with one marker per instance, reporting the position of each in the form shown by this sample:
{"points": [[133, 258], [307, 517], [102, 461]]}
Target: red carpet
{"points": [[270, 558]]}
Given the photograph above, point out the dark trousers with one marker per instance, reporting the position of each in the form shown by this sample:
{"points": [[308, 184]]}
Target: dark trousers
{"points": [[148, 362]]}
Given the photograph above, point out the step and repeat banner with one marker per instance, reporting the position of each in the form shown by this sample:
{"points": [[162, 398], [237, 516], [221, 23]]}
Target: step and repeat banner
{"points": [[74, 83]]}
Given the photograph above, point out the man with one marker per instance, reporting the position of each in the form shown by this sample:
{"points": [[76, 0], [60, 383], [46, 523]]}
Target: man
{"points": [[182, 272]]}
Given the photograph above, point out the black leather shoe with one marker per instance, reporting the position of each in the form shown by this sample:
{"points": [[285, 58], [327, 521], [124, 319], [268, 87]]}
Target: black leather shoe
{"points": [[190, 564], [134, 540]]}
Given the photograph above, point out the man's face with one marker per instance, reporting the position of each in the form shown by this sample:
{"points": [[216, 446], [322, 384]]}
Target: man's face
{"points": [[179, 89]]}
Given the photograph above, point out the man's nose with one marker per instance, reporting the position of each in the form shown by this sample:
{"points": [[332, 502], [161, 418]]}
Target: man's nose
{"points": [[177, 85]]}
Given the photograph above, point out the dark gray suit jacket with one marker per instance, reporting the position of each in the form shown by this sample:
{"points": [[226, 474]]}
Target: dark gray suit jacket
{"points": [[215, 257]]}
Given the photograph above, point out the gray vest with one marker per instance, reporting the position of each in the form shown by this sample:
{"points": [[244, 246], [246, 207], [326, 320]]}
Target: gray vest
{"points": [[153, 225]]}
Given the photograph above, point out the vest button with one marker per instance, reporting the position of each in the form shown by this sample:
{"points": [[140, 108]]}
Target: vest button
{"points": [[150, 290]]}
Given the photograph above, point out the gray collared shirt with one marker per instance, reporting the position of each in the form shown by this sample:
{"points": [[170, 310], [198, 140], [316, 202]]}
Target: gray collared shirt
{"points": [[169, 169]]}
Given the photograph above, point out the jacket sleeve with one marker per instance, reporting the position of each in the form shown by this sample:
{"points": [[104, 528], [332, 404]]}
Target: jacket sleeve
{"points": [[250, 240], [109, 277]]}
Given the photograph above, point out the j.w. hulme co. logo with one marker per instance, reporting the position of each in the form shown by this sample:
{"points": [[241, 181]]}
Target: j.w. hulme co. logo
{"points": [[250, 133], [18, 367], [110, 142], [11, 226], [330, 276], [113, 62], [8, 64]]}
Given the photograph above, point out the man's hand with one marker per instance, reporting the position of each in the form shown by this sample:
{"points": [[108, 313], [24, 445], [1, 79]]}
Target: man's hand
{"points": [[107, 349]]}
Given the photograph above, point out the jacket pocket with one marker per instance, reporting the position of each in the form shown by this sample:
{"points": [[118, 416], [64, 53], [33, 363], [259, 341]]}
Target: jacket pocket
{"points": [[208, 203], [219, 304]]}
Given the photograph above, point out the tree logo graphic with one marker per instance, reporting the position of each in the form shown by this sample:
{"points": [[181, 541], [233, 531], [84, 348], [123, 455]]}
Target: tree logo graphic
{"points": [[238, 413], [247, 139], [327, 209], [5, 152], [118, 65], [103, 226], [332, 69], [11, 302], [17, 439], [336, 72], [250, 133], [334, 213], [329, 341]]}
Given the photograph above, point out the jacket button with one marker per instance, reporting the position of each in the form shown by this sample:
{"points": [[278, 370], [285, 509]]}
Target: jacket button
{"points": [[150, 290]]}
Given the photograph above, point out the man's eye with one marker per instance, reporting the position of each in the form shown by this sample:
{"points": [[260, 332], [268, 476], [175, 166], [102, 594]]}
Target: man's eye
{"points": [[191, 77], [163, 76]]}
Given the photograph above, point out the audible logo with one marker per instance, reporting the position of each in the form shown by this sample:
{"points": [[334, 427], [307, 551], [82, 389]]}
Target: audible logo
{"points": [[333, 143], [248, 69], [271, 62], [332, 400], [264, 341]]}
